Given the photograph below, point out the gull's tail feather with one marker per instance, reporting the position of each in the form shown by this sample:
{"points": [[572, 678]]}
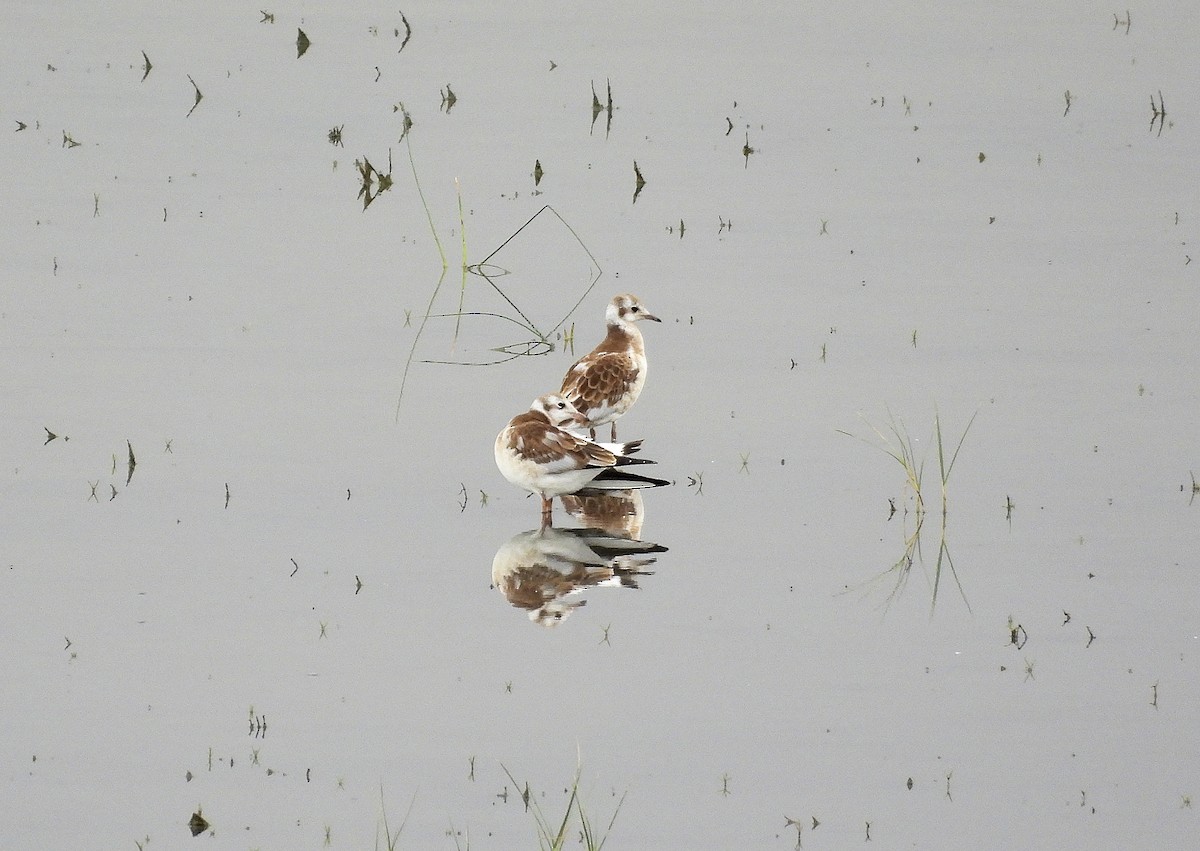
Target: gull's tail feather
{"points": [[623, 448]]}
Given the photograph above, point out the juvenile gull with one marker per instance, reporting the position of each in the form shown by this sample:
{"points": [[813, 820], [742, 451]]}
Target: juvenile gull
{"points": [[536, 453], [604, 384]]}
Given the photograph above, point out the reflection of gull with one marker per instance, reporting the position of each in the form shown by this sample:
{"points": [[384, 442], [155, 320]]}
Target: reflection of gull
{"points": [[617, 512], [605, 383], [537, 570], [535, 453]]}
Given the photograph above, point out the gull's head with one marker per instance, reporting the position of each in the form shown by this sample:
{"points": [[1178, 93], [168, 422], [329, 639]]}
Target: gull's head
{"points": [[626, 308], [558, 410]]}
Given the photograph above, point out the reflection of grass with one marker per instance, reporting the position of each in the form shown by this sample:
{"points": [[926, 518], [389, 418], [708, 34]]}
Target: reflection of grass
{"points": [[442, 254], [541, 342], [551, 838], [484, 264], [896, 442]]}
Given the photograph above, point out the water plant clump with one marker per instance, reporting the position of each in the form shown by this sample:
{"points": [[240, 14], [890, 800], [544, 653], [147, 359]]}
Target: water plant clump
{"points": [[896, 442]]}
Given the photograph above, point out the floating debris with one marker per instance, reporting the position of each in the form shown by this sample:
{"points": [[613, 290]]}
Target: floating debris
{"points": [[641, 181], [197, 823], [373, 181], [68, 142], [537, 172], [408, 122], [335, 136], [448, 99], [199, 95], [267, 17], [407, 32], [132, 464], [598, 107], [1158, 113], [1017, 636], [302, 43], [146, 67], [49, 436], [609, 107]]}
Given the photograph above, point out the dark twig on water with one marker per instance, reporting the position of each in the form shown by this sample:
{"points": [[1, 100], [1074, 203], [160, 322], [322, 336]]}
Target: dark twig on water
{"points": [[199, 95]]}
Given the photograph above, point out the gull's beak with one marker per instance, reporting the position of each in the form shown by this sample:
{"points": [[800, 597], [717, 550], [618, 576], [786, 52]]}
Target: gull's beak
{"points": [[651, 317]]}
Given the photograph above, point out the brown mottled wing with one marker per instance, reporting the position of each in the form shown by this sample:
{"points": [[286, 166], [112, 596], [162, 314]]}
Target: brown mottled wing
{"points": [[556, 449], [599, 380]]}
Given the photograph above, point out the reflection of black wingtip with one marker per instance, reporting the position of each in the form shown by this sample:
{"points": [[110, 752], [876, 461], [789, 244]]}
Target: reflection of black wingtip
{"points": [[609, 547]]}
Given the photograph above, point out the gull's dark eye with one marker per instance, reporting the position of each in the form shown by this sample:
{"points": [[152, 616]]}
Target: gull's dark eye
{"points": [[635, 309], [562, 405]]}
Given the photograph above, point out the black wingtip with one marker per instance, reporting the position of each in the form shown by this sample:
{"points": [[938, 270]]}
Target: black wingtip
{"points": [[613, 479]]}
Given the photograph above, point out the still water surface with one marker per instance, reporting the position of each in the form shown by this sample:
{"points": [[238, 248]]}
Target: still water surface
{"points": [[286, 615]]}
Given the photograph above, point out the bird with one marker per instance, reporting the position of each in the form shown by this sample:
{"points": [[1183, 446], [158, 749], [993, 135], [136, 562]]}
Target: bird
{"points": [[545, 571], [615, 512], [604, 384], [536, 453]]}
